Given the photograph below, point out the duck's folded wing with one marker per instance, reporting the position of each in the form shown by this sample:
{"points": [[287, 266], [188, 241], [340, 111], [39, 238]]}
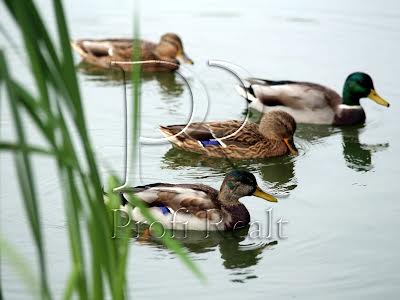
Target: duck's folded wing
{"points": [[197, 131], [93, 47], [201, 131], [296, 95], [98, 48], [185, 198], [267, 82], [221, 134]]}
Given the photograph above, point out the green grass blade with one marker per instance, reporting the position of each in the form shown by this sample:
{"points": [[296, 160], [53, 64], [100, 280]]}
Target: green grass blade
{"points": [[26, 179], [19, 264], [59, 100]]}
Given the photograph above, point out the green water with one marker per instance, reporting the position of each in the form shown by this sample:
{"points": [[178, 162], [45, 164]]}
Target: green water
{"points": [[340, 195]]}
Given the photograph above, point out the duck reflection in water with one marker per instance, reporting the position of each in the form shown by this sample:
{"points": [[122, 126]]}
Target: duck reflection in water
{"points": [[238, 251], [278, 172], [358, 156], [169, 82]]}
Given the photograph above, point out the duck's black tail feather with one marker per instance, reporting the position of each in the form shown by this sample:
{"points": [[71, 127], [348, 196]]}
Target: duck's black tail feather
{"points": [[246, 92]]}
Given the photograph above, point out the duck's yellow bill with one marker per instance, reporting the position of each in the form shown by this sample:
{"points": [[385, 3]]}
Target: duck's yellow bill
{"points": [[374, 96], [185, 58], [291, 146], [261, 194]]}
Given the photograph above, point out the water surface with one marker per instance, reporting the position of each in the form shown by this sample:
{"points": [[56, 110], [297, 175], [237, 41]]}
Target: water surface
{"points": [[340, 195]]}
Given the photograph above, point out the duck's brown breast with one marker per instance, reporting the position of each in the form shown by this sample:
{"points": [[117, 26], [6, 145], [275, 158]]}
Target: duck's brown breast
{"points": [[236, 216], [349, 115]]}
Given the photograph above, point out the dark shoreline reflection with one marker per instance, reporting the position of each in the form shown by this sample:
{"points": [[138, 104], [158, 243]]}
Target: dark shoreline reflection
{"points": [[168, 83], [279, 172], [238, 251]]}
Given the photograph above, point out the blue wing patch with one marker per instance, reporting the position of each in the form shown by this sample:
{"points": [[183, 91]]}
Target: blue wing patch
{"points": [[208, 143], [165, 210]]}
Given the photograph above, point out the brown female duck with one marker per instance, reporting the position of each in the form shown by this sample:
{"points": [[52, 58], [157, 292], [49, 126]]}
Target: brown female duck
{"points": [[197, 206], [103, 51], [233, 139]]}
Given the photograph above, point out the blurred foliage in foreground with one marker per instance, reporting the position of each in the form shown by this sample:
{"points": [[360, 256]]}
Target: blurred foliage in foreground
{"points": [[98, 262]]}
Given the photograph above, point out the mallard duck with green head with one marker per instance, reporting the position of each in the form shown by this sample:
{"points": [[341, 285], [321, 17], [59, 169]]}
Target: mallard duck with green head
{"points": [[101, 52], [313, 103], [198, 206], [235, 138]]}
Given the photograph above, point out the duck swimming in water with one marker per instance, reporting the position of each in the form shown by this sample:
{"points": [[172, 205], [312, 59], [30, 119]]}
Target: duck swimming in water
{"points": [[233, 139], [198, 206], [311, 102], [101, 52]]}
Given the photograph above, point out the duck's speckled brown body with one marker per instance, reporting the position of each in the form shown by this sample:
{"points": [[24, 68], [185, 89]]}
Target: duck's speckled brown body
{"points": [[101, 52], [268, 139]]}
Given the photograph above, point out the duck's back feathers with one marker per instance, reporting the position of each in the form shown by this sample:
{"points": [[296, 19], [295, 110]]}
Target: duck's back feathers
{"points": [[295, 94], [261, 81], [114, 47], [101, 52], [217, 130]]}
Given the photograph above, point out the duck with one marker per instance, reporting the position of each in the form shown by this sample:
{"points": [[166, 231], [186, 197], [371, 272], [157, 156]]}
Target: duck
{"points": [[102, 52], [311, 102], [235, 138], [197, 207]]}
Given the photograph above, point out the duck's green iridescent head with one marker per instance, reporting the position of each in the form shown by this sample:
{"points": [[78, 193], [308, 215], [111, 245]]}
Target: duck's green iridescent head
{"points": [[360, 85], [241, 183]]}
